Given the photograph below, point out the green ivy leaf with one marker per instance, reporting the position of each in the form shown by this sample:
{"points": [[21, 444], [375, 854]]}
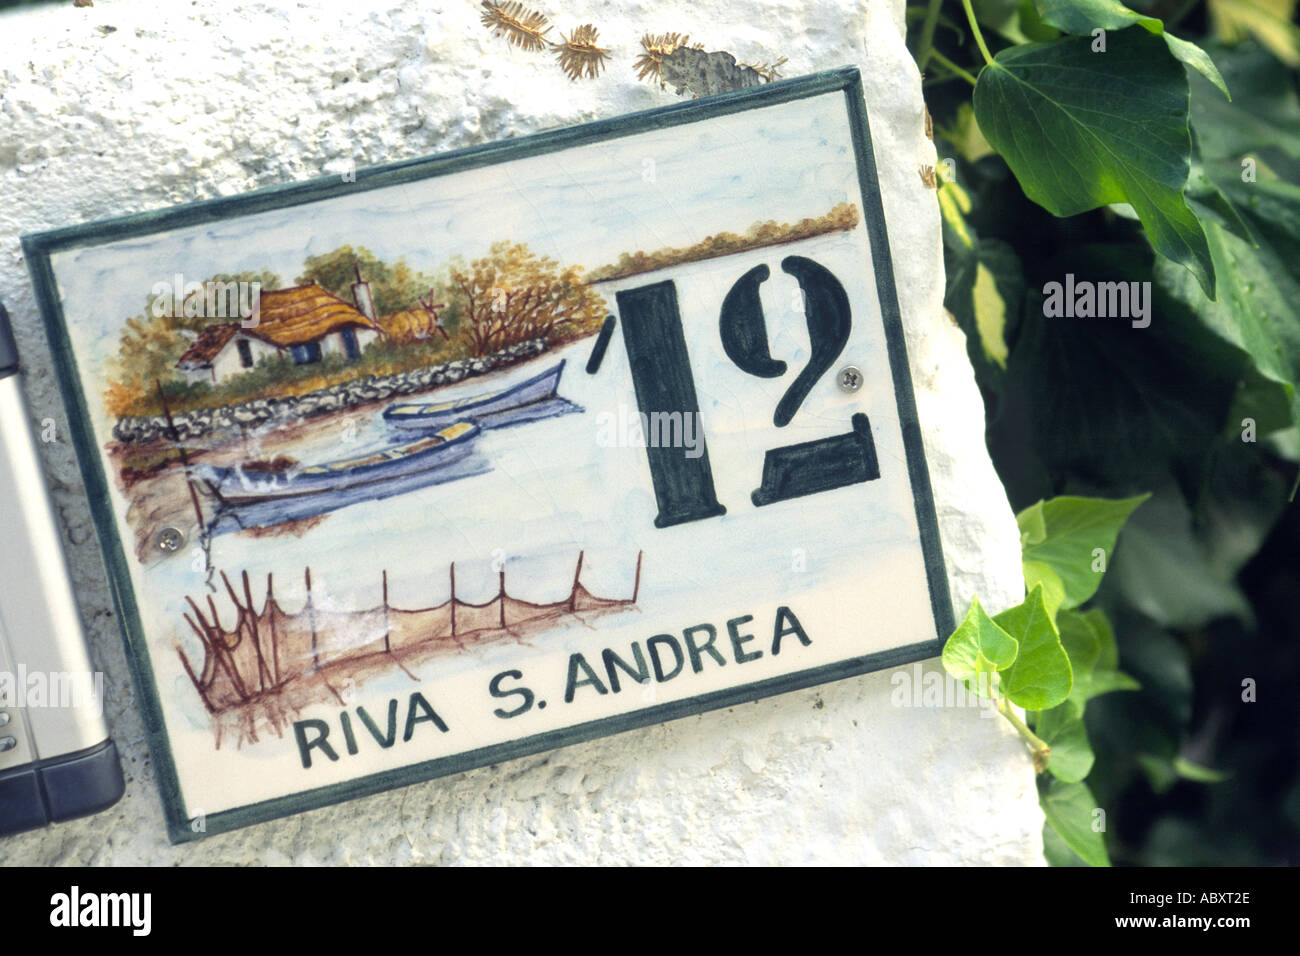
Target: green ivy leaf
{"points": [[1016, 20], [1069, 810], [1090, 643], [1082, 129], [963, 133], [1256, 307], [1063, 534], [1081, 17], [1165, 572], [1041, 574], [1106, 405], [1056, 851], [1040, 677], [978, 649], [985, 292], [954, 203], [1063, 731], [1081, 636], [1262, 121]]}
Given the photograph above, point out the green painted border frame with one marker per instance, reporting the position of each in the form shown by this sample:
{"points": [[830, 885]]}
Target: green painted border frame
{"points": [[39, 247]]}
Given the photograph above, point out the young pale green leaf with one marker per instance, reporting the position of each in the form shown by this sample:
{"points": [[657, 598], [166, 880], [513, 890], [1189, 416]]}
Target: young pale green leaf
{"points": [[1032, 27], [1016, 20], [1090, 643], [1072, 812], [1074, 537], [965, 136], [1041, 574], [978, 649], [1081, 130], [1056, 851], [1082, 639], [1040, 677], [1104, 682], [1081, 17], [1062, 729]]}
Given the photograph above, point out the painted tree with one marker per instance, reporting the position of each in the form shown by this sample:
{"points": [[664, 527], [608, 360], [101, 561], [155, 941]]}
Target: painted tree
{"points": [[151, 343], [512, 295], [394, 287]]}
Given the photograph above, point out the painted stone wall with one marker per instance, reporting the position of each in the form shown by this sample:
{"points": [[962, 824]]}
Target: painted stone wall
{"points": [[124, 107]]}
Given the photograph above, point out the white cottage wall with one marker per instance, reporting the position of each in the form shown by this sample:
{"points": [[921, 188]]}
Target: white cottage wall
{"points": [[130, 106]]}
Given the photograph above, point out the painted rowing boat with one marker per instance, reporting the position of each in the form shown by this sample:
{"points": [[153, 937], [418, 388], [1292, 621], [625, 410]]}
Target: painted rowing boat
{"points": [[237, 485], [423, 416]]}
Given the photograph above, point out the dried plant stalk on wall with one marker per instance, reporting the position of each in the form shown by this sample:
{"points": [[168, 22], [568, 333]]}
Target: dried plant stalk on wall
{"points": [[666, 58], [656, 47], [524, 28], [579, 56], [670, 61]]}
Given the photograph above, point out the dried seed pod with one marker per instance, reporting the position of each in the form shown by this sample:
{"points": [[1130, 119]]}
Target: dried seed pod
{"points": [[524, 28], [579, 55], [657, 46], [768, 71]]}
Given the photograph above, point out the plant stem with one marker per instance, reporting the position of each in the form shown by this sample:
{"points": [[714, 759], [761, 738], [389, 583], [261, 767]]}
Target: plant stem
{"points": [[1042, 752], [948, 64], [975, 28], [925, 46]]}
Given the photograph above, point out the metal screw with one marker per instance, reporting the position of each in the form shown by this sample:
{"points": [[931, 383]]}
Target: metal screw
{"points": [[169, 539], [850, 378]]}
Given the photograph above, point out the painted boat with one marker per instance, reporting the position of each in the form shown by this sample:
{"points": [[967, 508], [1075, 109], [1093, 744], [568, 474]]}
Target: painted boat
{"points": [[237, 485], [423, 416]]}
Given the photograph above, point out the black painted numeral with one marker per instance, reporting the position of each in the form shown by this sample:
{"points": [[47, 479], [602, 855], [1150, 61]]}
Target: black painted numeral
{"points": [[661, 376], [792, 471]]}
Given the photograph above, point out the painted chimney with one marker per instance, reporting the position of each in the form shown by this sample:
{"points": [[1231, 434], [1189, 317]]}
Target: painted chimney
{"points": [[362, 297]]}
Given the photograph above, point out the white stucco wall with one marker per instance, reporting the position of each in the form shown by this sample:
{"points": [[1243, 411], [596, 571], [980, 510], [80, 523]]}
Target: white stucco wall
{"points": [[125, 107]]}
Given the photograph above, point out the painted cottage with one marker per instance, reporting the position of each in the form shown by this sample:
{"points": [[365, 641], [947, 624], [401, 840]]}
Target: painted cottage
{"points": [[305, 323]]}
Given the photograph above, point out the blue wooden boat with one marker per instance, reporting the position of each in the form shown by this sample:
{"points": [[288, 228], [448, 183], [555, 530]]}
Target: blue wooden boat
{"points": [[497, 405], [246, 484]]}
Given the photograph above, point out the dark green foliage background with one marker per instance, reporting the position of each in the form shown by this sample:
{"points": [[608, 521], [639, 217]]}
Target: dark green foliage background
{"points": [[1204, 587]]}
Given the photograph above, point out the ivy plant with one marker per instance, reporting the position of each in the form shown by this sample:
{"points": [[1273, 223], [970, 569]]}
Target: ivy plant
{"points": [[1154, 142], [1049, 658]]}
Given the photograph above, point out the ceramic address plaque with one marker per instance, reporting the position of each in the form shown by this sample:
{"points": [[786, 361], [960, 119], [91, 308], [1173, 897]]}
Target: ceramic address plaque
{"points": [[459, 459]]}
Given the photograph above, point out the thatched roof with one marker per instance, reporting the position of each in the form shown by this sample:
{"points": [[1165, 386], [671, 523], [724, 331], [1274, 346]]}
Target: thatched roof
{"points": [[210, 341], [304, 313]]}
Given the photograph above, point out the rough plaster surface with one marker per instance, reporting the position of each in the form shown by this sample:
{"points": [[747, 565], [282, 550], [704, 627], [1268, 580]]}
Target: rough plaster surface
{"points": [[125, 107]]}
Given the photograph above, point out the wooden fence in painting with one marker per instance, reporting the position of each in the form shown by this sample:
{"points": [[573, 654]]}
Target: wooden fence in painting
{"points": [[269, 664]]}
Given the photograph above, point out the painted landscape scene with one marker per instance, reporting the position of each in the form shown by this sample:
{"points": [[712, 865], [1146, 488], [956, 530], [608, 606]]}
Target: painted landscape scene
{"points": [[241, 403]]}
